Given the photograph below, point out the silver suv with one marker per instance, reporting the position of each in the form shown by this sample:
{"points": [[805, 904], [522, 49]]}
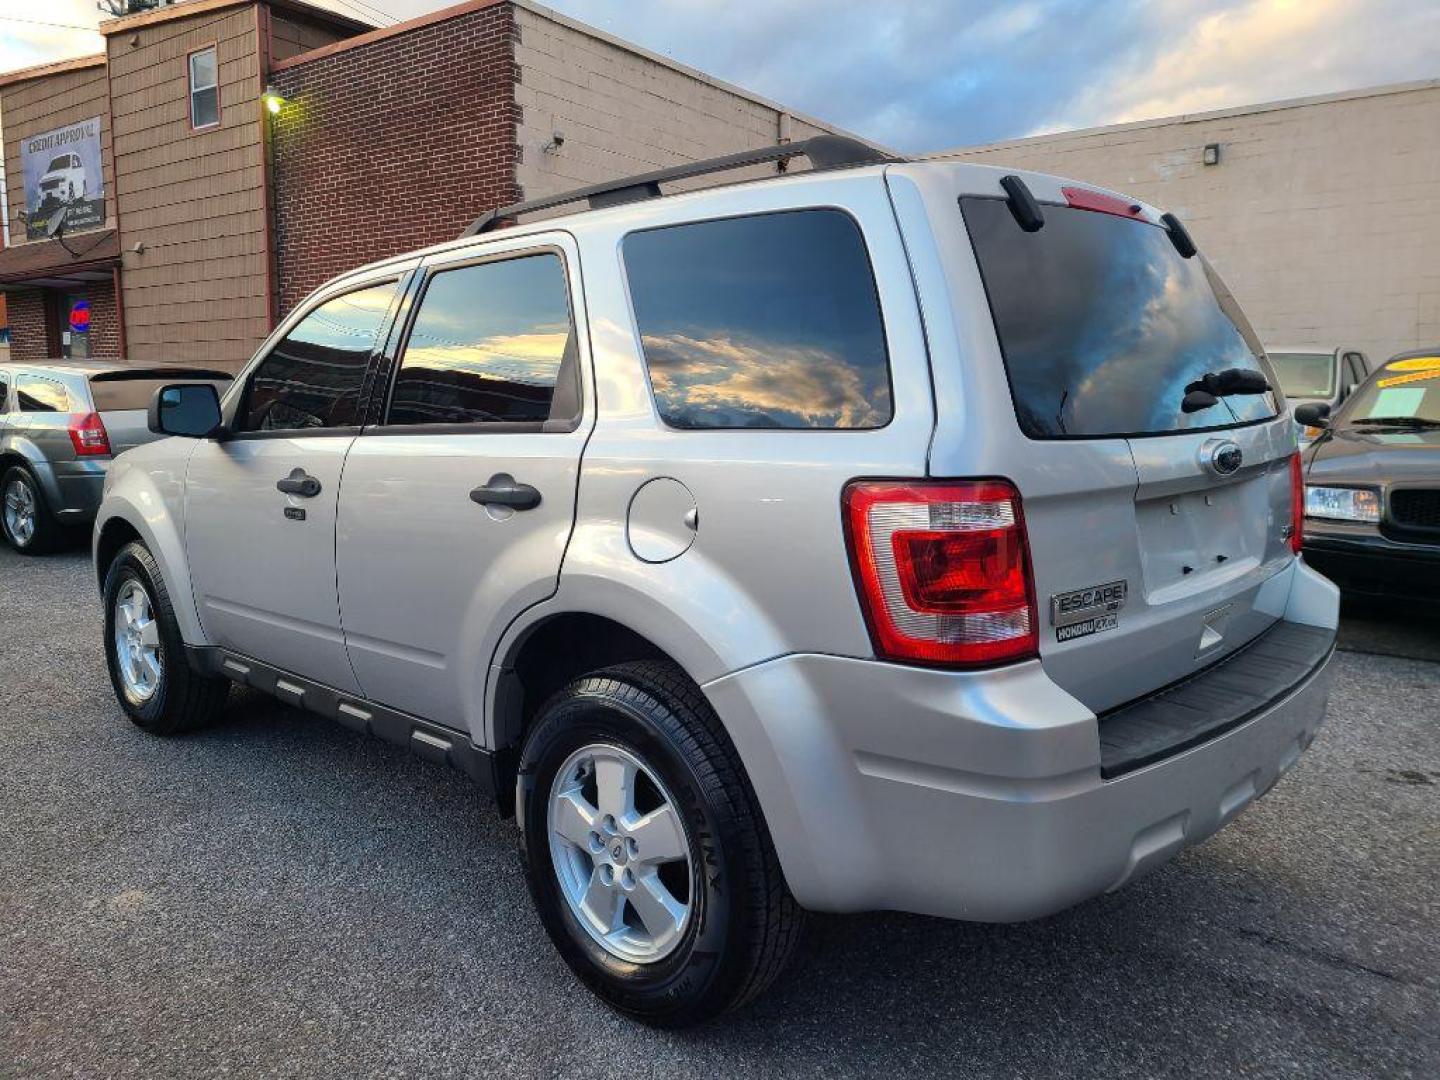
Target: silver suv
{"points": [[61, 422], [884, 535]]}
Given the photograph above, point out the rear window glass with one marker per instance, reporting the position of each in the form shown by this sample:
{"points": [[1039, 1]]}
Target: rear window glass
{"points": [[769, 321], [488, 345], [1305, 375], [121, 394], [41, 395], [1103, 324]]}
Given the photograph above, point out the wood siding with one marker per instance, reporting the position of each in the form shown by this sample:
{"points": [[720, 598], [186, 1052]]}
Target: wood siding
{"points": [[193, 199], [43, 104]]}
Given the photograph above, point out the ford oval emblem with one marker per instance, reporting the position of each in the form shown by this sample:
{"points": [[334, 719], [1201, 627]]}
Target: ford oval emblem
{"points": [[1225, 458]]}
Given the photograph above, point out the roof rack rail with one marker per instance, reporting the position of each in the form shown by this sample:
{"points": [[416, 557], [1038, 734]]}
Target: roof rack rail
{"points": [[822, 151]]}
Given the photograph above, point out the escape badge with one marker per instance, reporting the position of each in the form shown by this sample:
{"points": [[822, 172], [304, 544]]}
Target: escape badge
{"points": [[1087, 611]]}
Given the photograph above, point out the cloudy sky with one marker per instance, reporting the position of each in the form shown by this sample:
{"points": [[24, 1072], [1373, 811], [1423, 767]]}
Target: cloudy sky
{"points": [[930, 74]]}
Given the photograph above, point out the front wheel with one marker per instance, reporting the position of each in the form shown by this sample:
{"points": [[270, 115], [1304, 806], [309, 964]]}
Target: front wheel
{"points": [[152, 678], [645, 849]]}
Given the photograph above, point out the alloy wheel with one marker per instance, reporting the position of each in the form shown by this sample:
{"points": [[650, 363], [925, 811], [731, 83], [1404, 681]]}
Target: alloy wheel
{"points": [[137, 643], [620, 852], [20, 512]]}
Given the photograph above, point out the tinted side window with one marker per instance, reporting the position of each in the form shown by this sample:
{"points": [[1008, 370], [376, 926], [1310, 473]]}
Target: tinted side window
{"points": [[4, 391], [487, 345], [312, 379], [770, 321], [40, 395]]}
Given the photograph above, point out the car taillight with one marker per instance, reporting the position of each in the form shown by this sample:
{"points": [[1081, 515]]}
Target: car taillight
{"points": [[942, 570], [1297, 503], [88, 435]]}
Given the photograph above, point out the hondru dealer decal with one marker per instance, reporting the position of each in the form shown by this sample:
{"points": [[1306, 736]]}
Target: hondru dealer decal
{"points": [[1082, 612]]}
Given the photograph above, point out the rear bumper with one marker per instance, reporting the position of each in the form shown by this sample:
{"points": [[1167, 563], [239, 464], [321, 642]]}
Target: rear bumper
{"points": [[73, 489], [979, 795], [1375, 566]]}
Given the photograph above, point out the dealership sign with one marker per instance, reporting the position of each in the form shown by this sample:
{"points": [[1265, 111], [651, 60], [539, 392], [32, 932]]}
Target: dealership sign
{"points": [[64, 183]]}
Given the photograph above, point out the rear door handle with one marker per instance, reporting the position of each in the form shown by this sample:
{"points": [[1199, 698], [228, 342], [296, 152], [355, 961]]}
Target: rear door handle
{"points": [[299, 482], [502, 490]]}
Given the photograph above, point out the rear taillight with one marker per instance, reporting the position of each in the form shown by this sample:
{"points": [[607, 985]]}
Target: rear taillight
{"points": [[1297, 503], [88, 435], [943, 570]]}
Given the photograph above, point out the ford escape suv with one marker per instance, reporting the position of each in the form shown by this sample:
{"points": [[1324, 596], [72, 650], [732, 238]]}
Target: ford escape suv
{"points": [[886, 535]]}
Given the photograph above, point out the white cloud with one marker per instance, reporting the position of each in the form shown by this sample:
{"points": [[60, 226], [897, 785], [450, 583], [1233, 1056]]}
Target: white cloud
{"points": [[1261, 50]]}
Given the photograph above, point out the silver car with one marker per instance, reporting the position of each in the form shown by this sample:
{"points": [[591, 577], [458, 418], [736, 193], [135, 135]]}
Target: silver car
{"points": [[886, 535], [61, 423]]}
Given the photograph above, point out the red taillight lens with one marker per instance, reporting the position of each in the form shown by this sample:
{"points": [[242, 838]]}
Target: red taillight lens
{"points": [[1297, 503], [88, 436], [943, 570]]}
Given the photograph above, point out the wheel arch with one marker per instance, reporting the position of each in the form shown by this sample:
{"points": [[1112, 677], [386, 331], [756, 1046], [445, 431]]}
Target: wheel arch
{"points": [[119, 523]]}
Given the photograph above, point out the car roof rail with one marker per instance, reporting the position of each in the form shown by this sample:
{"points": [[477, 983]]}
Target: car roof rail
{"points": [[822, 151]]}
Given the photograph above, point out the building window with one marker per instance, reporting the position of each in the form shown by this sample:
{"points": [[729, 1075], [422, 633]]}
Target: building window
{"points": [[204, 89]]}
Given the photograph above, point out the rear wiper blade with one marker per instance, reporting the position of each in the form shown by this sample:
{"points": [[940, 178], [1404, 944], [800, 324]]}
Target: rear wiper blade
{"points": [[1398, 421], [1214, 385]]}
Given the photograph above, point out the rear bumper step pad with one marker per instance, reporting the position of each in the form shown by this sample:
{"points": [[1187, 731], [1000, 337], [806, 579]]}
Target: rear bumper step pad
{"points": [[1211, 702]]}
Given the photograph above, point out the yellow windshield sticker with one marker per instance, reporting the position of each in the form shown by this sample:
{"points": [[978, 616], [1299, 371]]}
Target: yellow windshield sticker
{"points": [[1414, 376], [1416, 363]]}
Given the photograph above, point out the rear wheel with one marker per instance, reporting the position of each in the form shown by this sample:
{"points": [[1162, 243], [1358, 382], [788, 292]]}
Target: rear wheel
{"points": [[646, 852], [24, 517], [153, 680]]}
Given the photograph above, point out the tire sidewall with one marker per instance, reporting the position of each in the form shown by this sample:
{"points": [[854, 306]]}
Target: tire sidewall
{"points": [[131, 565], [691, 971]]}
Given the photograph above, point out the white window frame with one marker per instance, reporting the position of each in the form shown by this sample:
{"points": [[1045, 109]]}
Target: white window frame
{"points": [[195, 89]]}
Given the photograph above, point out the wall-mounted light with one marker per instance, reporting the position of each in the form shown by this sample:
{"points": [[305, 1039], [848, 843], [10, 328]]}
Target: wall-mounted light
{"points": [[557, 140], [272, 99], [1211, 154]]}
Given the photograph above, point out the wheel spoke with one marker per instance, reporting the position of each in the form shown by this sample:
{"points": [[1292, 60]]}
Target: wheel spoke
{"points": [[659, 836], [604, 902], [615, 786], [150, 634], [575, 819], [659, 912], [150, 661]]}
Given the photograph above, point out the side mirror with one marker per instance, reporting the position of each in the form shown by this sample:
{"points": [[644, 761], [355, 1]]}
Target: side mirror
{"points": [[1313, 414], [190, 410]]}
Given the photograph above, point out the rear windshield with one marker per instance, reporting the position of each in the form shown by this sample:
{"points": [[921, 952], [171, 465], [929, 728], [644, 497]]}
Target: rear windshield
{"points": [[1305, 375], [120, 394], [1103, 324]]}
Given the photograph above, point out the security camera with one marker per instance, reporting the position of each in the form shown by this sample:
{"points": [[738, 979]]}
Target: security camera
{"points": [[557, 140]]}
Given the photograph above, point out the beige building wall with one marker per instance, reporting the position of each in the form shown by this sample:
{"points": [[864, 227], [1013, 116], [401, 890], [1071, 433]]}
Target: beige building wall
{"points": [[624, 110], [42, 104], [194, 200], [1323, 215]]}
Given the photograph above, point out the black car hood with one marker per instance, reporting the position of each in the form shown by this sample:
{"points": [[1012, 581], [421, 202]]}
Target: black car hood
{"points": [[1392, 455]]}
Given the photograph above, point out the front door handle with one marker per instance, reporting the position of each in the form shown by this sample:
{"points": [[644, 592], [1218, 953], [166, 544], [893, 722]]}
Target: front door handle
{"points": [[299, 482], [502, 490]]}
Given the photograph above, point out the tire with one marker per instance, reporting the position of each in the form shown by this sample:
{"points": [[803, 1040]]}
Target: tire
{"points": [[741, 924], [22, 502], [170, 697]]}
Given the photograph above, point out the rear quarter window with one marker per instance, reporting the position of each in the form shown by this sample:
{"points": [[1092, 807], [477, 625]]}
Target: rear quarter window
{"points": [[767, 321]]}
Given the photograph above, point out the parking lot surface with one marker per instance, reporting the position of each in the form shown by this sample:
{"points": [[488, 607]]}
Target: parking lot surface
{"points": [[279, 896]]}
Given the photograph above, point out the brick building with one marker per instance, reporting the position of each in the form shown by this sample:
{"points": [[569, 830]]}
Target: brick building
{"points": [[161, 211], [1322, 214]]}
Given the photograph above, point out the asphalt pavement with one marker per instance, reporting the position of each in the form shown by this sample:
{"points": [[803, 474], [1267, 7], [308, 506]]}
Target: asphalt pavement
{"points": [[277, 896]]}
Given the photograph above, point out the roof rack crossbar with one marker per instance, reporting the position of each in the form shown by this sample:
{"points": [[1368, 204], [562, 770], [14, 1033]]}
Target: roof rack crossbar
{"points": [[822, 151]]}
